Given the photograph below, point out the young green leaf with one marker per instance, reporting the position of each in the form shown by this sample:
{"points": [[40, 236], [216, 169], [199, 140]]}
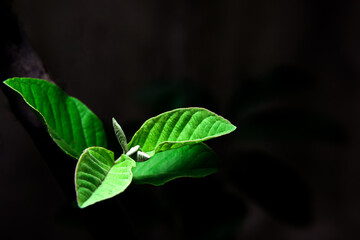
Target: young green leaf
{"points": [[179, 127], [70, 123], [196, 160], [99, 177], [120, 135]]}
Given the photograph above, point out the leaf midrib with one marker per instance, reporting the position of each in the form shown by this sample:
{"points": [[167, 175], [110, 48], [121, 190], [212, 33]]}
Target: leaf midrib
{"points": [[106, 174]]}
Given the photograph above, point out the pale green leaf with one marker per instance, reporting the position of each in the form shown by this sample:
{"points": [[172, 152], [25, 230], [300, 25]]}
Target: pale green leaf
{"points": [[196, 160], [120, 135], [70, 123], [99, 177], [179, 127]]}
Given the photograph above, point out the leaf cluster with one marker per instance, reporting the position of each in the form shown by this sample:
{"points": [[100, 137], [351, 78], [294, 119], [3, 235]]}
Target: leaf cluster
{"points": [[166, 147]]}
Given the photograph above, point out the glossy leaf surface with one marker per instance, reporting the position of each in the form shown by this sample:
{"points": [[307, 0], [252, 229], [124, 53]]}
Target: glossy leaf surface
{"points": [[179, 127], [195, 160], [99, 177], [70, 123]]}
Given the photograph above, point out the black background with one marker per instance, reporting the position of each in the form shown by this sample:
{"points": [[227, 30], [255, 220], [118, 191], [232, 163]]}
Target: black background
{"points": [[286, 73]]}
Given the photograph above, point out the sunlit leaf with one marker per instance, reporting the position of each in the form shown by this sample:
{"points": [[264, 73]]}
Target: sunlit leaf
{"points": [[70, 123], [99, 177], [179, 127]]}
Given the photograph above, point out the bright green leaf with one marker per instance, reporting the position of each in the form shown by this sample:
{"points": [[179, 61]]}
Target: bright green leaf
{"points": [[196, 160], [99, 177], [70, 123], [179, 127]]}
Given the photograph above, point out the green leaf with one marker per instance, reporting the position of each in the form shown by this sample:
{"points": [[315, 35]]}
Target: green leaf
{"points": [[70, 123], [196, 160], [99, 177], [179, 127], [120, 135]]}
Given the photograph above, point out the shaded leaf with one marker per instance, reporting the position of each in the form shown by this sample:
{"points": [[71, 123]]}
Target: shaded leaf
{"points": [[99, 177], [179, 127], [70, 123], [196, 160]]}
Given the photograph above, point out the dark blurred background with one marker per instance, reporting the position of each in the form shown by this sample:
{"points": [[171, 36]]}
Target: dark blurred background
{"points": [[286, 73]]}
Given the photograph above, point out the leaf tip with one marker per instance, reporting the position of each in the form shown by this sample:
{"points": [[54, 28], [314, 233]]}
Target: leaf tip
{"points": [[7, 82], [82, 205]]}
